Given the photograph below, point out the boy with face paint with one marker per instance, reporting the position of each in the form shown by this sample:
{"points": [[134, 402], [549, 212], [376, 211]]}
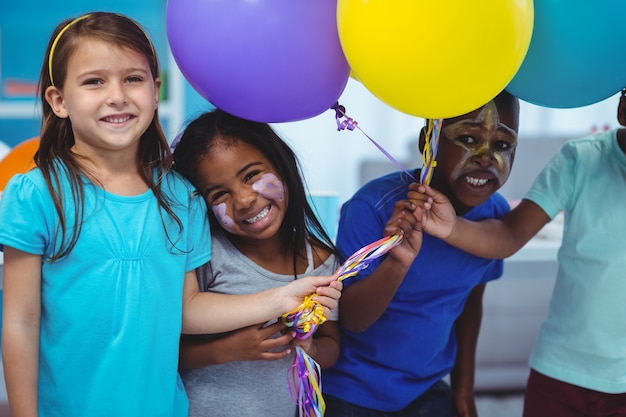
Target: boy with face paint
{"points": [[412, 317]]}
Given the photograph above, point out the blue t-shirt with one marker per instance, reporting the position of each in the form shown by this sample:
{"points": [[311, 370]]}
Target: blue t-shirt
{"points": [[412, 345], [583, 340], [112, 309]]}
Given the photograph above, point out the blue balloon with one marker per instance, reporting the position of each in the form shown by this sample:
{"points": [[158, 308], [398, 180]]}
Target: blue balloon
{"points": [[576, 55]]}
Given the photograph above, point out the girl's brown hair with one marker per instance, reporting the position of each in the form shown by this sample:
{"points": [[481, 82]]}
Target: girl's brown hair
{"points": [[56, 137]]}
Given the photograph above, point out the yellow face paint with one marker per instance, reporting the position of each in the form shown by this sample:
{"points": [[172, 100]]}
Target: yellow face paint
{"points": [[485, 141]]}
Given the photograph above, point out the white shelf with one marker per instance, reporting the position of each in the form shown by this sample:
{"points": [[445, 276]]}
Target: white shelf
{"points": [[19, 110]]}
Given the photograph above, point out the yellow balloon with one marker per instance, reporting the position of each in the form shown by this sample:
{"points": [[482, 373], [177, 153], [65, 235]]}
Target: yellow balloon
{"points": [[435, 58]]}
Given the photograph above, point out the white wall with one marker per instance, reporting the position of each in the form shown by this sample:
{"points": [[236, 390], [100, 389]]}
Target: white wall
{"points": [[332, 159]]}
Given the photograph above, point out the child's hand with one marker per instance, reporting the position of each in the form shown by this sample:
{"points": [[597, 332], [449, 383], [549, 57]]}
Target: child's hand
{"points": [[256, 343], [328, 297], [438, 217], [405, 221], [327, 292], [306, 344]]}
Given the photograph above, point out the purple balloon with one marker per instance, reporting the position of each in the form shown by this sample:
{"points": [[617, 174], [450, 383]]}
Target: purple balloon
{"points": [[263, 60]]}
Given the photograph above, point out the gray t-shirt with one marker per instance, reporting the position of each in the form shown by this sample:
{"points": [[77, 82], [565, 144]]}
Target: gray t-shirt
{"points": [[243, 388]]}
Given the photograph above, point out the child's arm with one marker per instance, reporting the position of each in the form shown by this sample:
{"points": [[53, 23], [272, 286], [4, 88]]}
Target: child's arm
{"points": [[467, 328], [323, 346], [378, 289], [209, 312], [491, 238], [248, 344], [20, 329]]}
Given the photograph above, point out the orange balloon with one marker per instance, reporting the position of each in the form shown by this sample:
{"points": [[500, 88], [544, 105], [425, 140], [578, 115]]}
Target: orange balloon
{"points": [[18, 161]]}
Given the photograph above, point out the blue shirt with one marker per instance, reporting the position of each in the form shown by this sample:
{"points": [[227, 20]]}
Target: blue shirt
{"points": [[583, 340], [112, 309], [412, 345]]}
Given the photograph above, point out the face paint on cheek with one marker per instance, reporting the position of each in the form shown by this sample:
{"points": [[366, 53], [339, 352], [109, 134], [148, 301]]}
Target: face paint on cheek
{"points": [[270, 187], [488, 119], [503, 166], [220, 213]]}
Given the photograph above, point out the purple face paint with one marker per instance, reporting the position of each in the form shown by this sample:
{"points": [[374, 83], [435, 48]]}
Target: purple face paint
{"points": [[220, 212], [270, 187]]}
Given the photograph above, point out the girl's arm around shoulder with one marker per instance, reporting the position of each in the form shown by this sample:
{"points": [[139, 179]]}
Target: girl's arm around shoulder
{"points": [[20, 329]]}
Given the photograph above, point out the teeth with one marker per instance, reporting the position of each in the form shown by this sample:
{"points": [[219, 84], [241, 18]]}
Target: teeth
{"points": [[117, 119], [477, 182], [258, 217]]}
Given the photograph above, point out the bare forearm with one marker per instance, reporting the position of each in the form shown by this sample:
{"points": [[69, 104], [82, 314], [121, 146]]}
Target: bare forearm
{"points": [[363, 302], [326, 351], [467, 329], [487, 238], [21, 322], [499, 238], [210, 312], [20, 362], [198, 353], [325, 347]]}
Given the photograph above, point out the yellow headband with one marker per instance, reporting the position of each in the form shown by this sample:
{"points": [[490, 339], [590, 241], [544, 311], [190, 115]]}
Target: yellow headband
{"points": [[56, 40]]}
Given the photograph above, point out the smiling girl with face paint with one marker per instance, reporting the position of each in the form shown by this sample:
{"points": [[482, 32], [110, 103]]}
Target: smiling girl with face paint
{"points": [[265, 235]]}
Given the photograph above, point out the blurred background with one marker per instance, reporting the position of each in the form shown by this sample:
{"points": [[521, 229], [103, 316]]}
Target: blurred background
{"points": [[335, 163]]}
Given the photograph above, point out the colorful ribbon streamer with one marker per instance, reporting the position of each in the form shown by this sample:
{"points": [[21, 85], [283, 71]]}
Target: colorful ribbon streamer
{"points": [[430, 150], [362, 258], [305, 385], [305, 382]]}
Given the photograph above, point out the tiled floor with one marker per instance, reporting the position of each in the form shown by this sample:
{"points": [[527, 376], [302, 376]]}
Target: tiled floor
{"points": [[500, 405]]}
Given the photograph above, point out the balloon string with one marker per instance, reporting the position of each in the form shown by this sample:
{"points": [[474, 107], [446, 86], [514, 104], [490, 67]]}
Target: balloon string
{"points": [[350, 124], [430, 149]]}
